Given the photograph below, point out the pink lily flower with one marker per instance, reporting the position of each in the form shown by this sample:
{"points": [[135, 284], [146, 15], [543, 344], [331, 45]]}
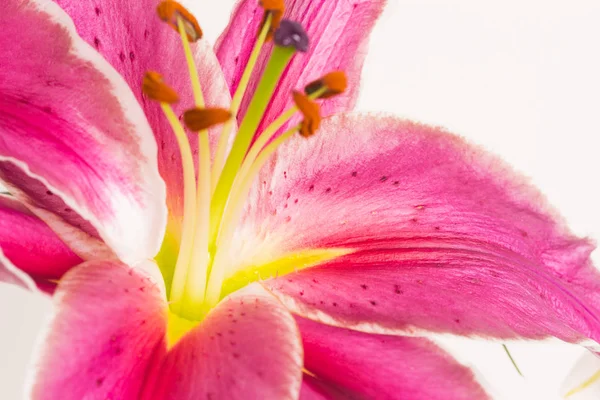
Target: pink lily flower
{"points": [[311, 268]]}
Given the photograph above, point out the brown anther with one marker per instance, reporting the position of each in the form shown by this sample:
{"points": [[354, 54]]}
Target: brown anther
{"points": [[311, 112], [276, 8], [171, 12], [154, 87], [198, 119], [334, 82]]}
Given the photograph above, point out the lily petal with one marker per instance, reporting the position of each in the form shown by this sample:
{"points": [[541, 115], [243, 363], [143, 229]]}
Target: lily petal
{"points": [[316, 389], [30, 244], [583, 381], [247, 348], [446, 238], [338, 31], [368, 366], [134, 40], [109, 319], [72, 128]]}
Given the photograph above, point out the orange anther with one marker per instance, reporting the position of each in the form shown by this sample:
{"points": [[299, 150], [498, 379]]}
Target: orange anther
{"points": [[334, 82], [311, 112], [171, 12], [154, 87], [276, 8], [198, 119]]}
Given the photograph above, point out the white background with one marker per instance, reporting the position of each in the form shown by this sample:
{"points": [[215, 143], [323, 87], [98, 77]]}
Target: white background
{"points": [[519, 77]]}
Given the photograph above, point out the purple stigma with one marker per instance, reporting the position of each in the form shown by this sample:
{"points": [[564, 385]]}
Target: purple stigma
{"points": [[291, 34]]}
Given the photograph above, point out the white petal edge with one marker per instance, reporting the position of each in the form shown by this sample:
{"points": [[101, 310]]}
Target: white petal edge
{"points": [[135, 116]]}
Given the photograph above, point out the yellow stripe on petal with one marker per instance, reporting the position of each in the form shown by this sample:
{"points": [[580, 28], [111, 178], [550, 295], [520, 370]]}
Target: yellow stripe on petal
{"points": [[588, 382], [284, 265]]}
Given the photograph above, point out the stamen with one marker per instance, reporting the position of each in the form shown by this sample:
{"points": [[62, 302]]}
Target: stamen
{"points": [[270, 131], [154, 87], [172, 12], [280, 57], [243, 182], [335, 82], [310, 110], [273, 9], [237, 100], [198, 97], [199, 119], [234, 210], [197, 275], [189, 209]]}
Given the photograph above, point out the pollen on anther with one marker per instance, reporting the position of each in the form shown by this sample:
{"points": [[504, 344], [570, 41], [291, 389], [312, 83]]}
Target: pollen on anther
{"points": [[334, 83], [171, 12], [311, 112], [198, 119], [276, 9], [154, 87]]}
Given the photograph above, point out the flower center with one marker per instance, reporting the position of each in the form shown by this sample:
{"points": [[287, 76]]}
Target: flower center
{"points": [[213, 202]]}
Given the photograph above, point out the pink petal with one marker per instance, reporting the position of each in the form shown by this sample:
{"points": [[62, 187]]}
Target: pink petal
{"points": [[72, 129], [338, 30], [30, 244], [247, 348], [368, 366], [447, 238], [109, 319], [316, 389], [133, 39]]}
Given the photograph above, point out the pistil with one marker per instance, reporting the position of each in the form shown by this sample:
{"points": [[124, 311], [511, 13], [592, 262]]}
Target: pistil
{"points": [[237, 100], [289, 38], [242, 185], [209, 218]]}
